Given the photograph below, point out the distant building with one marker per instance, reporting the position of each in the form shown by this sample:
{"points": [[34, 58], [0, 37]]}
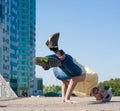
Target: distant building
{"points": [[38, 87], [17, 43]]}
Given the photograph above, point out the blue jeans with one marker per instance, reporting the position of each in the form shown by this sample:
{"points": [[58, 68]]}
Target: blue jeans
{"points": [[67, 70]]}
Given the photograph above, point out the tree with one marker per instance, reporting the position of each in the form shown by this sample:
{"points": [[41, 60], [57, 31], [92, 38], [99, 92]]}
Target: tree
{"points": [[52, 88], [113, 85]]}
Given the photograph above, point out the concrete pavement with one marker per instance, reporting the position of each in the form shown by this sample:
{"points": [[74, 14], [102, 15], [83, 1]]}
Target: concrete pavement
{"points": [[55, 104]]}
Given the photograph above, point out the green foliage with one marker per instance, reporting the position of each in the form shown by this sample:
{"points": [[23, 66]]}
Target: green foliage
{"points": [[51, 94], [113, 85], [52, 88]]}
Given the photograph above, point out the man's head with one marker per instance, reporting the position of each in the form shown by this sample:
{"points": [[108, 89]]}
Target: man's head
{"points": [[94, 91]]}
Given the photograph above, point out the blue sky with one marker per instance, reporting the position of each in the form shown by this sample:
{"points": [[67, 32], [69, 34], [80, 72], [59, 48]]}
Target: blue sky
{"points": [[89, 31]]}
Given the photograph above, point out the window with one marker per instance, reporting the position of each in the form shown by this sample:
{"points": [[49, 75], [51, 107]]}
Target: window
{"points": [[6, 67]]}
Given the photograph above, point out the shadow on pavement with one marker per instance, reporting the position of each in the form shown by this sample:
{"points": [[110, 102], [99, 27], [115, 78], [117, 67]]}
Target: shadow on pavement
{"points": [[94, 102]]}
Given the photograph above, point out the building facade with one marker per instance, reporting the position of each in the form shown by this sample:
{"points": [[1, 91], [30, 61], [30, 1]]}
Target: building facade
{"points": [[38, 87], [4, 45], [17, 46]]}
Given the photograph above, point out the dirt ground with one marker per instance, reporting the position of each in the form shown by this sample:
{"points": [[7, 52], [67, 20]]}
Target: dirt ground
{"points": [[55, 104]]}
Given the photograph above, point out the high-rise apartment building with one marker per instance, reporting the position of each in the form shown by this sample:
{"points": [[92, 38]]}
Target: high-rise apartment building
{"points": [[17, 43], [4, 45]]}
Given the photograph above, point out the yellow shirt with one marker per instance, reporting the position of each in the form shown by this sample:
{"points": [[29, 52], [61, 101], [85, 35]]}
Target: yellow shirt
{"points": [[83, 89]]}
